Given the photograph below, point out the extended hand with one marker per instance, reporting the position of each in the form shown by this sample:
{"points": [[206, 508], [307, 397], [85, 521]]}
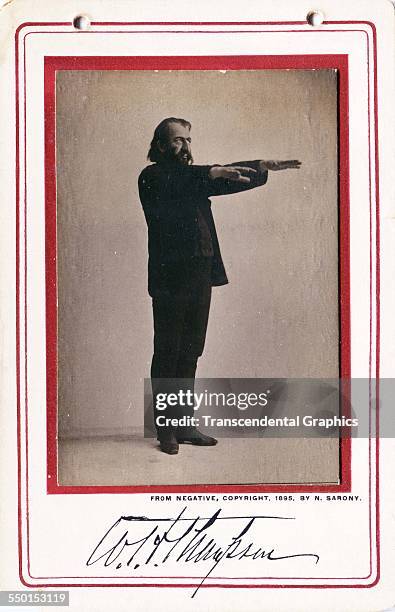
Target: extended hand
{"points": [[280, 165], [232, 173]]}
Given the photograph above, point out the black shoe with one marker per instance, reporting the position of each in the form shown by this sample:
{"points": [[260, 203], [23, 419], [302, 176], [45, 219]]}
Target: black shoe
{"points": [[170, 447], [197, 438]]}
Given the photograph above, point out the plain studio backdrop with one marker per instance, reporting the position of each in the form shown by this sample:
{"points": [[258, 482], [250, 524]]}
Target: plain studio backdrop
{"points": [[278, 317]]}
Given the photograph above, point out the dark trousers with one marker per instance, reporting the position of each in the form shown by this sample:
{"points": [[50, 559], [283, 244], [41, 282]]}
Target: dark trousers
{"points": [[180, 324]]}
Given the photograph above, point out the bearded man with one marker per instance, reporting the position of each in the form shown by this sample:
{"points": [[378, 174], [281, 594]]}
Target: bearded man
{"points": [[185, 260]]}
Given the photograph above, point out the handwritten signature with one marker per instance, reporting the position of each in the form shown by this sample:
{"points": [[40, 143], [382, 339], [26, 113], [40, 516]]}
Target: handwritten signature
{"points": [[183, 539]]}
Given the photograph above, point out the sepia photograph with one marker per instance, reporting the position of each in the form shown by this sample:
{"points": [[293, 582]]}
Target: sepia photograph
{"points": [[197, 228]]}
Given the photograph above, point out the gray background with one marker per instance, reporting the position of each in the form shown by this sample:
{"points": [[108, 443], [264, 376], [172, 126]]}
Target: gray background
{"points": [[278, 317]]}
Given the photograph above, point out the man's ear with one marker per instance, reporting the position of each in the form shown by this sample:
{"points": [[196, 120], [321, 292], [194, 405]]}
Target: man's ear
{"points": [[161, 146]]}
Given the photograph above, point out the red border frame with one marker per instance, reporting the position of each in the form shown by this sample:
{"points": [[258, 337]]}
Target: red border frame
{"points": [[342, 306], [302, 62]]}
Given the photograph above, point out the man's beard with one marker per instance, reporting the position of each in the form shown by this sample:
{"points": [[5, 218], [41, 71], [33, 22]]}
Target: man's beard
{"points": [[183, 157]]}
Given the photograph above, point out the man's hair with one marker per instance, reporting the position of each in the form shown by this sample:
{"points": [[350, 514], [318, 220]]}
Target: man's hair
{"points": [[160, 136]]}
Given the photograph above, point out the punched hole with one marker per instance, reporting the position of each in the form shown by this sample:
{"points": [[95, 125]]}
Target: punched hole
{"points": [[81, 22], [315, 18]]}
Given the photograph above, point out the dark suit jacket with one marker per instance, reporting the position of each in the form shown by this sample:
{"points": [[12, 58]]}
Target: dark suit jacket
{"points": [[170, 194]]}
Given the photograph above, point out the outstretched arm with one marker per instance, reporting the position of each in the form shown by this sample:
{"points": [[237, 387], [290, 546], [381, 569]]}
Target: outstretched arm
{"points": [[244, 175], [180, 185]]}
